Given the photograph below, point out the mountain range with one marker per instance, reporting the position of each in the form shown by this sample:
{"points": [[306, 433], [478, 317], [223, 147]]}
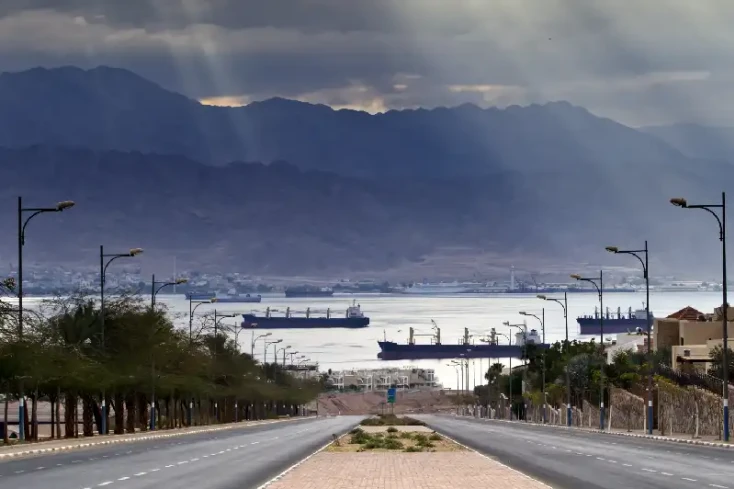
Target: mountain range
{"points": [[285, 187]]}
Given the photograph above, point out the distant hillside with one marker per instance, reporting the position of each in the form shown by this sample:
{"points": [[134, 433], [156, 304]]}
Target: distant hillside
{"points": [[114, 109], [277, 219], [716, 143]]}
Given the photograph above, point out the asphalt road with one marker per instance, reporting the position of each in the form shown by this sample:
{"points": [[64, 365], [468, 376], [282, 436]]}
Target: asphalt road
{"points": [[571, 459], [238, 458]]}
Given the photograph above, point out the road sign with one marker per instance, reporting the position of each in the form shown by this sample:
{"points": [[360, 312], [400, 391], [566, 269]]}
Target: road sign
{"points": [[391, 395]]}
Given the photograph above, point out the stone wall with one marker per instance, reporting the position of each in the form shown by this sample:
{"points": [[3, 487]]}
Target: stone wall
{"points": [[690, 411], [627, 411]]}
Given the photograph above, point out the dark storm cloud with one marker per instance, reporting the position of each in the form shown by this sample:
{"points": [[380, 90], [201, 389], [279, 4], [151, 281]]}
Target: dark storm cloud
{"points": [[637, 63]]}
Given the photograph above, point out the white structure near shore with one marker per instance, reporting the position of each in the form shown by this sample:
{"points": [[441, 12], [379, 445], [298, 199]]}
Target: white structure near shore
{"points": [[383, 378]]}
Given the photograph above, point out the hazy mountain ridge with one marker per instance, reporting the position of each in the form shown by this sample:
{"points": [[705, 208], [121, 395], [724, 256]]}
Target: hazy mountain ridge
{"points": [[367, 192]]}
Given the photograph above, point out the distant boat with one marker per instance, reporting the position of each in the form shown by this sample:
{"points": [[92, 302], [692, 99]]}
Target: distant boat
{"points": [[353, 318], [632, 322], [241, 298], [308, 291]]}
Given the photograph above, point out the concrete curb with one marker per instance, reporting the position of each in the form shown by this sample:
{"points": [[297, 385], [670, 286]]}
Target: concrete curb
{"points": [[116, 440], [685, 441]]}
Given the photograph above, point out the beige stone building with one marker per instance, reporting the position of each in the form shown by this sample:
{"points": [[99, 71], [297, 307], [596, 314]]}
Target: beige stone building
{"points": [[691, 335]]}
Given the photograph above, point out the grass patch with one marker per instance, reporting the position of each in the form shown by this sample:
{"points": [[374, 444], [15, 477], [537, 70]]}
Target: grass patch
{"points": [[359, 440]]}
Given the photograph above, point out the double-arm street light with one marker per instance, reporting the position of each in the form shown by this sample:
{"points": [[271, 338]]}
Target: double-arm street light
{"points": [[599, 289], [564, 305], [542, 326], [679, 202], [102, 278], [22, 223], [218, 317], [646, 276]]}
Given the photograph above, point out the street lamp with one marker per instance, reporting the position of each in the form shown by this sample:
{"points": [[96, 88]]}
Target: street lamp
{"points": [[564, 305], [646, 276], [284, 349], [254, 340], [267, 344], [218, 317], [154, 291], [679, 202], [599, 289], [542, 325], [102, 276], [34, 211], [192, 311], [524, 328]]}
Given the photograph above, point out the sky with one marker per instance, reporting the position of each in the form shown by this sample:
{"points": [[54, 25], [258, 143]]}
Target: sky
{"points": [[644, 62]]}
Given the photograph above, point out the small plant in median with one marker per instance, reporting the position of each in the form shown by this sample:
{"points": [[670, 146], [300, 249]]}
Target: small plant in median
{"points": [[392, 429], [435, 437]]}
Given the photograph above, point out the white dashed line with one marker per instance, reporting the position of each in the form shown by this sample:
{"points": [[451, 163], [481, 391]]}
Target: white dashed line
{"points": [[19, 471], [194, 460], [168, 466], [650, 470], [720, 487], [665, 473], [139, 474], [612, 461], [254, 443], [40, 468], [155, 470], [123, 478], [627, 465], [105, 483], [183, 462], [599, 458], [689, 479]]}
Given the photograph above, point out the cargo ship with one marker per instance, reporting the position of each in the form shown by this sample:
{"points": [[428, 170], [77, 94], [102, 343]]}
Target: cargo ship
{"points": [[390, 350], [352, 318], [308, 291], [619, 323], [241, 298]]}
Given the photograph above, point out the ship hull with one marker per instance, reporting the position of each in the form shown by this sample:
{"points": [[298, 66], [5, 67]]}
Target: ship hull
{"points": [[592, 326], [261, 322], [395, 351], [295, 294]]}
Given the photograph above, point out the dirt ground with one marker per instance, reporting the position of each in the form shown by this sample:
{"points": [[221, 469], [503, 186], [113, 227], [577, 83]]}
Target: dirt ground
{"points": [[416, 402]]}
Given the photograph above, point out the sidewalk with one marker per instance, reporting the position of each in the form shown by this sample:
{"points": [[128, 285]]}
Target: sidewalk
{"points": [[384, 470], [85, 442]]}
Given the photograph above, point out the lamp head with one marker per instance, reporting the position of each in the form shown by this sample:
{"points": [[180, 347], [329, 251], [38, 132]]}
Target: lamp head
{"points": [[523, 313], [268, 334], [679, 202], [612, 249], [542, 297], [64, 204], [506, 323], [213, 300], [135, 251], [180, 281], [576, 276]]}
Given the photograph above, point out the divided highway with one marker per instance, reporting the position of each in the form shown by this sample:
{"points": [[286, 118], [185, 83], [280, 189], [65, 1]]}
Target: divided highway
{"points": [[238, 458], [572, 459]]}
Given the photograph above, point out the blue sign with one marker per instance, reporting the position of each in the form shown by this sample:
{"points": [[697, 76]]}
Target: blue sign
{"points": [[391, 395]]}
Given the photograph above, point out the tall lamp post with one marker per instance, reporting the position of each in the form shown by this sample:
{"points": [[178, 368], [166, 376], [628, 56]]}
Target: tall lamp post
{"points": [[284, 349], [267, 344], [509, 340], [109, 257], [542, 326], [254, 340], [564, 305], [22, 223], [679, 202], [153, 292], [218, 317], [646, 275], [524, 328], [599, 289], [192, 310]]}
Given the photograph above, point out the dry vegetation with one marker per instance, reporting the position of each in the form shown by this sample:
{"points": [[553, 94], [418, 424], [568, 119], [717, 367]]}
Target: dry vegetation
{"points": [[392, 440]]}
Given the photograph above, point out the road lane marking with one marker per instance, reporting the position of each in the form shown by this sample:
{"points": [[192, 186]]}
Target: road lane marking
{"points": [[168, 466], [665, 473], [40, 468], [105, 483], [689, 479], [649, 470], [123, 478], [627, 465], [720, 487], [139, 474], [254, 443], [155, 470]]}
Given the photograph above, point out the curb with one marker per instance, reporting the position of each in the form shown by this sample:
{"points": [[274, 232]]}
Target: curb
{"points": [[684, 441], [112, 441]]}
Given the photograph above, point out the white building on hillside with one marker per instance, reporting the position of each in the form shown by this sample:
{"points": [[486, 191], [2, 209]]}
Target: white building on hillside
{"points": [[383, 378]]}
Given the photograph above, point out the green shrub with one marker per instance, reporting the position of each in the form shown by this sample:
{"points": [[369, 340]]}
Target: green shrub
{"points": [[356, 431], [392, 429], [406, 435], [420, 438], [413, 449], [393, 444], [435, 437]]}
